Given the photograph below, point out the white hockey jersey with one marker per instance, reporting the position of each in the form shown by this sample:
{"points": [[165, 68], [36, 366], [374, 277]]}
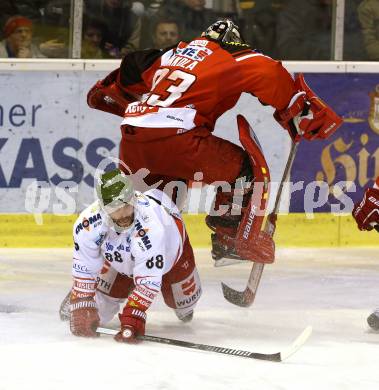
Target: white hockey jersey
{"points": [[146, 251]]}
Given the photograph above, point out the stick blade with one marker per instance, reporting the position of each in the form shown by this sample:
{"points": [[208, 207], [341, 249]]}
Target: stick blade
{"points": [[297, 344], [238, 298]]}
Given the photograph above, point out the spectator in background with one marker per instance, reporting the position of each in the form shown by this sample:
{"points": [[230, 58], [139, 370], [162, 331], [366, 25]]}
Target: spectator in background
{"points": [[18, 32], [304, 30], [305, 27], [124, 26], [152, 7], [191, 15], [31, 9], [368, 12], [94, 31], [53, 28], [165, 33], [259, 20], [7, 9]]}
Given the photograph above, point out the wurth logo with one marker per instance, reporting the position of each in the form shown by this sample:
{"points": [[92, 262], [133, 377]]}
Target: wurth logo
{"points": [[190, 300], [189, 287]]}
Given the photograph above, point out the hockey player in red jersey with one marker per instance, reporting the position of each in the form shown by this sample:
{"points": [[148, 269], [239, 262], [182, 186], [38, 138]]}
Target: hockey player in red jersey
{"points": [[170, 100], [366, 214]]}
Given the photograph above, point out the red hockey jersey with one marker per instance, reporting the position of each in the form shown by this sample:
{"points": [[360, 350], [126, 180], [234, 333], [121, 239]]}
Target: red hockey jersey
{"points": [[194, 83]]}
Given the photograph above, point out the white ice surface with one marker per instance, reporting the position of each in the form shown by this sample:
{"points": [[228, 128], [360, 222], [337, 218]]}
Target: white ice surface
{"points": [[332, 290]]}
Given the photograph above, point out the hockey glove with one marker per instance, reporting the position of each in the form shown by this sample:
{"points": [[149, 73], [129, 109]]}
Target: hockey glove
{"points": [[132, 325], [366, 213], [84, 318], [107, 96], [307, 116]]}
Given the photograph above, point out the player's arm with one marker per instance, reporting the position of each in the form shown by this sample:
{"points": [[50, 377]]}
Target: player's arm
{"points": [[298, 109], [87, 263], [366, 212], [125, 84], [150, 265]]}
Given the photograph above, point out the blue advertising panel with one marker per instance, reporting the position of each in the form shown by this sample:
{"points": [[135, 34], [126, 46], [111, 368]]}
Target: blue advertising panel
{"points": [[351, 155]]}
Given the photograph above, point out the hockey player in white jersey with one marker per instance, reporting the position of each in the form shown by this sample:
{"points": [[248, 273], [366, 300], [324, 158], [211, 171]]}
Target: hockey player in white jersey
{"points": [[129, 246]]}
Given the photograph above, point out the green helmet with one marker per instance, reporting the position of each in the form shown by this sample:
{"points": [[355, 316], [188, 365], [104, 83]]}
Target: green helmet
{"points": [[114, 189]]}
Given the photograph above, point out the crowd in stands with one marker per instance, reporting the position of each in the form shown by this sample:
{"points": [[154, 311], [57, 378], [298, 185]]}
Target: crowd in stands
{"points": [[285, 29]]}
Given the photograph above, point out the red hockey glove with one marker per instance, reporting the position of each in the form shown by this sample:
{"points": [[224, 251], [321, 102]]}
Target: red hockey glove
{"points": [[132, 325], [366, 213], [106, 96], [261, 250], [307, 116], [84, 318]]}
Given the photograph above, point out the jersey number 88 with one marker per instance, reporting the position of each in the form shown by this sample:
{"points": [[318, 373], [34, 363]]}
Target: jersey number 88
{"points": [[158, 262]]}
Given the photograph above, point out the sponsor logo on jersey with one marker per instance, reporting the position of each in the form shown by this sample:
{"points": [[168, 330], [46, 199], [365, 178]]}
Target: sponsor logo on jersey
{"points": [[135, 109], [146, 291], [76, 245], [194, 53], [109, 247], [142, 234], [198, 42], [190, 300], [127, 246], [189, 287], [140, 281], [103, 284], [142, 200], [86, 223], [80, 268], [174, 118], [141, 246], [100, 239]]}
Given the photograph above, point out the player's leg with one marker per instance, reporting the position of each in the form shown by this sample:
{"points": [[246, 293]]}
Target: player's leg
{"points": [[112, 290], [219, 161], [182, 155], [238, 233], [181, 287]]}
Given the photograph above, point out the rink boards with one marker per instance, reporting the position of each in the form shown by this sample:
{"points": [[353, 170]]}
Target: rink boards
{"points": [[294, 229]]}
